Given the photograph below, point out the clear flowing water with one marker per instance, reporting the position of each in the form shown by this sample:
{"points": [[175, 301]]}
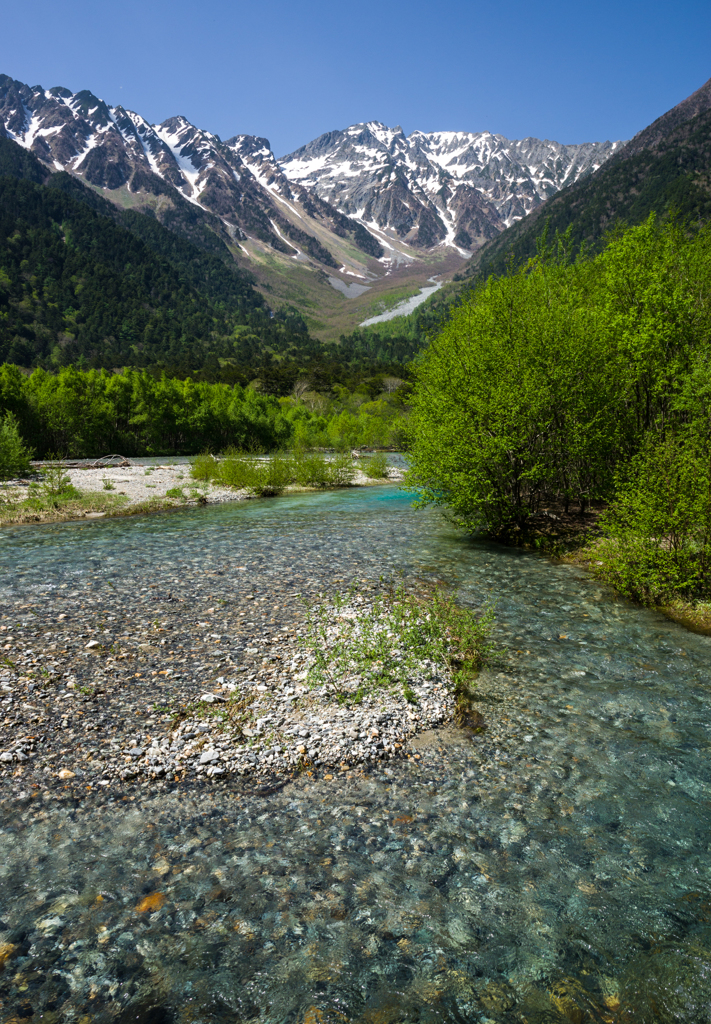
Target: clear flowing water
{"points": [[560, 871]]}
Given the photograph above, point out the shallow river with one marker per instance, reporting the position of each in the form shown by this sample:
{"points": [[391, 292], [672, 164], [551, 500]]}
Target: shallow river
{"points": [[569, 881]]}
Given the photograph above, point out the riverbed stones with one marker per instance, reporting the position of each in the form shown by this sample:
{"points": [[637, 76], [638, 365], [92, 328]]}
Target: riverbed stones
{"points": [[184, 694]]}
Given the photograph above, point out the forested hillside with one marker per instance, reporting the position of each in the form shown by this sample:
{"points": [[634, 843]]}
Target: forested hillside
{"points": [[84, 283], [663, 170]]}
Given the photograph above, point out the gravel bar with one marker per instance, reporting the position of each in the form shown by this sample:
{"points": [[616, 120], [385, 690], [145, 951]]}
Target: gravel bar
{"points": [[94, 694]]}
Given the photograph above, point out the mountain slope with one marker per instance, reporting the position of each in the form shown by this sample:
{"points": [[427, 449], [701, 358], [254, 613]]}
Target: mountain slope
{"points": [[453, 188], [362, 210], [82, 281], [665, 167], [164, 166]]}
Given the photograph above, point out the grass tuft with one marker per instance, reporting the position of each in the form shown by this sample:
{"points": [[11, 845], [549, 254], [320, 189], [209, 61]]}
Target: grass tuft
{"points": [[382, 643]]}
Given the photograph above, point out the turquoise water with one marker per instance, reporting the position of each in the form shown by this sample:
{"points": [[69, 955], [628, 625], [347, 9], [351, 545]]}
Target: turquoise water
{"points": [[556, 868]]}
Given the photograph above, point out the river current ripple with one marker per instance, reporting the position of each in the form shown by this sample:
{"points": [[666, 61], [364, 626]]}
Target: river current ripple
{"points": [[556, 868]]}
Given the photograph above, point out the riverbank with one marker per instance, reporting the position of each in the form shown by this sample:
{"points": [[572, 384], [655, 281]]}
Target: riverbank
{"points": [[131, 490], [576, 538]]}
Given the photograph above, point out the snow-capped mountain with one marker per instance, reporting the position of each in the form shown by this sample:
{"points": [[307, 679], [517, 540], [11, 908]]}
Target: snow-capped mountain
{"points": [[336, 203], [429, 188], [238, 182]]}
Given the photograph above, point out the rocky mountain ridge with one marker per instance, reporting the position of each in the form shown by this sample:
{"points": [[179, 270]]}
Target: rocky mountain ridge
{"points": [[117, 150], [335, 204], [663, 169], [431, 188]]}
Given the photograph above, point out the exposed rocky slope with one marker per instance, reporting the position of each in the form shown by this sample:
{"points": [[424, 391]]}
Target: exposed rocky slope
{"points": [[234, 187], [348, 192], [458, 188]]}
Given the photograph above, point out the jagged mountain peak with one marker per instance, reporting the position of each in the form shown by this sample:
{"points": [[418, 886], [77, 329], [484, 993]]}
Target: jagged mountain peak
{"points": [[450, 188], [369, 182]]}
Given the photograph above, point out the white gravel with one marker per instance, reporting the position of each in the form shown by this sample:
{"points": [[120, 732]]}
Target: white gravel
{"points": [[144, 483]]}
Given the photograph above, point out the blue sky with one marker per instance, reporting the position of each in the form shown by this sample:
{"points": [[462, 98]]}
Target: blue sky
{"points": [[572, 72]]}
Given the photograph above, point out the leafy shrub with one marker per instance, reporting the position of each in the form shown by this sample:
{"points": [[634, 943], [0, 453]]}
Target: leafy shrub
{"points": [[340, 471], [658, 528], [56, 482], [376, 467], [14, 455], [309, 469], [204, 467], [268, 477]]}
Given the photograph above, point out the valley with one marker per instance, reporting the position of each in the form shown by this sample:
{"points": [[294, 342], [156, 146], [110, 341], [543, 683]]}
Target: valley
{"points": [[366, 204]]}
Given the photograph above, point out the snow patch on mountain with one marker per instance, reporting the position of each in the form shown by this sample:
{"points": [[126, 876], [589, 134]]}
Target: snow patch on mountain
{"points": [[438, 188]]}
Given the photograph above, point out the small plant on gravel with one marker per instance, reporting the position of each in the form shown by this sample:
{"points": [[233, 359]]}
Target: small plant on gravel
{"points": [[56, 482], [175, 492], [55, 488], [376, 467], [340, 470], [204, 467], [359, 644], [108, 484]]}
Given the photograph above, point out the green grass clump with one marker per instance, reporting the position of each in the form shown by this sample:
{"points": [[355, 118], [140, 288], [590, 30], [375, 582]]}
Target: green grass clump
{"points": [[382, 642]]}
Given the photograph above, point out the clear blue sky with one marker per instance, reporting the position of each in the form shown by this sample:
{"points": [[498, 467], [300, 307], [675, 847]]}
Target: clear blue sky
{"points": [[570, 71]]}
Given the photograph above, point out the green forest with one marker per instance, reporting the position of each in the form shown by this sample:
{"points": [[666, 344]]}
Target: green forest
{"points": [[86, 413], [84, 283]]}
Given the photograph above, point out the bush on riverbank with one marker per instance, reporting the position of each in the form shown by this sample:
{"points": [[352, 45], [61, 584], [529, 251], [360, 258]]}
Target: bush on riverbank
{"points": [[657, 543], [578, 381], [265, 477], [376, 466]]}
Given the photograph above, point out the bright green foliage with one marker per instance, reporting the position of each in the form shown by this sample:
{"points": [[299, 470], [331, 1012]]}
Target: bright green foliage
{"points": [[346, 420], [14, 455], [548, 380], [269, 476], [659, 525], [92, 413], [376, 466]]}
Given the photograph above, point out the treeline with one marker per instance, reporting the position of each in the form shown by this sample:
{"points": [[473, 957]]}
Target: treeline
{"points": [[91, 413], [581, 380]]}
